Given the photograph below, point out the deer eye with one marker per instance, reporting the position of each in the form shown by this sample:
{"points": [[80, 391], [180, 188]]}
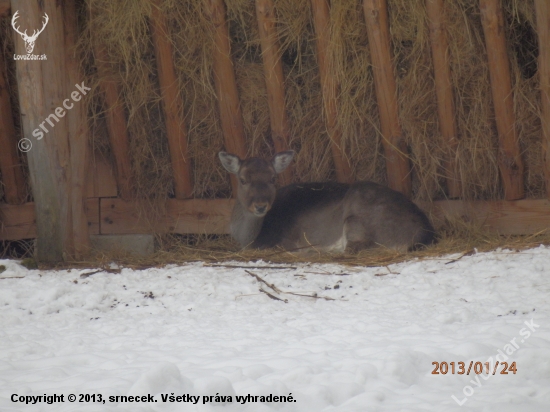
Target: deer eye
{"points": [[243, 182]]}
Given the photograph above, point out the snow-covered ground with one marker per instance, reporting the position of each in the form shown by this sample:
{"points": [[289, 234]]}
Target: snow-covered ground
{"points": [[208, 331]]}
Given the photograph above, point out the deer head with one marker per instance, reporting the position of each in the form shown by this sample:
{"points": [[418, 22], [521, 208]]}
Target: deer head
{"points": [[256, 191], [29, 40]]}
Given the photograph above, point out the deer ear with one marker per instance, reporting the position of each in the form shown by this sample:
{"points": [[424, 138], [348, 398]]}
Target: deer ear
{"points": [[282, 160], [230, 162]]}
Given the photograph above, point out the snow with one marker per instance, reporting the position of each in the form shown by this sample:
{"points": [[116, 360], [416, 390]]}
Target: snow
{"points": [[197, 330]]}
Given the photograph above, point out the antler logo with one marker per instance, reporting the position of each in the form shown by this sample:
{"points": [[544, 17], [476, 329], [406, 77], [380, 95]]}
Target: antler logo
{"points": [[29, 40]]}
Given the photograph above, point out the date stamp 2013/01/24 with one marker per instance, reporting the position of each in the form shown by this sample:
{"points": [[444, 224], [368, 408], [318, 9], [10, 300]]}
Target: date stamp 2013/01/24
{"points": [[459, 368]]}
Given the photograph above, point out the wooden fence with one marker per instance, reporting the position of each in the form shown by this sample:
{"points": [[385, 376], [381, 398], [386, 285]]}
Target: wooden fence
{"points": [[78, 193]]}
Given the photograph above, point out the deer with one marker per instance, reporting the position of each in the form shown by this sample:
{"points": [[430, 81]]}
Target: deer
{"points": [[319, 216], [29, 40]]}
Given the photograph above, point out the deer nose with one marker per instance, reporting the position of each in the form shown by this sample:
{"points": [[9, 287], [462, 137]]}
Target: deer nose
{"points": [[260, 208]]}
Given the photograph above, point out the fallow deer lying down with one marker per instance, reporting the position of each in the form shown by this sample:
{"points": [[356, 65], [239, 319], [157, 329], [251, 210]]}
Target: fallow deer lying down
{"points": [[324, 216]]}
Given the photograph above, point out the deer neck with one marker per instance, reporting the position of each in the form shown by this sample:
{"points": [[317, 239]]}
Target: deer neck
{"points": [[245, 226]]}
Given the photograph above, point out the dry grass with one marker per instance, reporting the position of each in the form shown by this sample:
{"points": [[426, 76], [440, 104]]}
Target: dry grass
{"points": [[456, 238], [122, 25]]}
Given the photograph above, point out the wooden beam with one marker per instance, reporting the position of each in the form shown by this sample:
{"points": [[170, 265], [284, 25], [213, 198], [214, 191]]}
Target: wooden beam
{"points": [[100, 179], [19, 221], [116, 123], [274, 80], [4, 7], [42, 87], [176, 131], [509, 156], [395, 147], [521, 217], [10, 164], [518, 217], [182, 216], [543, 30], [444, 92], [78, 135], [226, 84], [321, 20]]}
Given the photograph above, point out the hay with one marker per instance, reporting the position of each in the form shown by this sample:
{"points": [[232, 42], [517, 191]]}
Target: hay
{"points": [[122, 25], [459, 239]]}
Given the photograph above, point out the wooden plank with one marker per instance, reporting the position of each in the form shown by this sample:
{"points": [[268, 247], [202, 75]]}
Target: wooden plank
{"points": [[47, 159], [4, 7], [321, 20], [100, 179], [19, 221], [444, 92], [182, 216], [55, 82], [176, 131], [395, 147], [509, 155], [226, 84], [116, 123], [78, 135], [91, 208], [518, 217], [543, 30], [10, 164], [213, 216], [274, 80]]}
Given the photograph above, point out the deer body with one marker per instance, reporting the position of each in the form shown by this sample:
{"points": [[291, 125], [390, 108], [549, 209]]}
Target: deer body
{"points": [[322, 216]]}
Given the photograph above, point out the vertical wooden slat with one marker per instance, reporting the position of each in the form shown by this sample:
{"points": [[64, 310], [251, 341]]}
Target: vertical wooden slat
{"points": [[78, 136], [4, 7], [543, 30], [40, 84], [321, 20], [226, 85], [444, 92], [176, 130], [116, 123], [509, 156], [10, 165], [395, 147], [274, 80]]}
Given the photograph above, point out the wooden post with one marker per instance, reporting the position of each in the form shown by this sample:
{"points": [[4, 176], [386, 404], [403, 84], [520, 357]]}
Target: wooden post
{"points": [[395, 147], [543, 29], [176, 130], [116, 123], [10, 165], [4, 7], [509, 156], [321, 19], [78, 136], [42, 87], [444, 91], [226, 85], [274, 80]]}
